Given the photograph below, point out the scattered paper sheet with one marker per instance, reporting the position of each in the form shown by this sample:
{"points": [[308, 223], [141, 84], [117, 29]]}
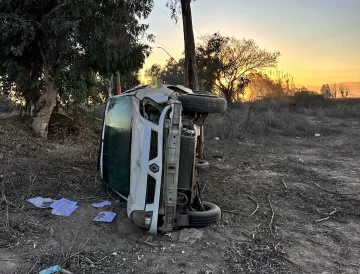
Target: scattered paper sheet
{"points": [[41, 202], [102, 204], [190, 235], [105, 216], [63, 207], [53, 269]]}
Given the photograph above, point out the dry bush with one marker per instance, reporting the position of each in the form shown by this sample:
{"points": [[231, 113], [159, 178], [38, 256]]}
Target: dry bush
{"points": [[343, 110], [98, 111], [290, 116]]}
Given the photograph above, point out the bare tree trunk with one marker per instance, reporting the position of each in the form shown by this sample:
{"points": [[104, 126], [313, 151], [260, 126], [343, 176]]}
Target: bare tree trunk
{"points": [[191, 73], [110, 86], [44, 106], [228, 97]]}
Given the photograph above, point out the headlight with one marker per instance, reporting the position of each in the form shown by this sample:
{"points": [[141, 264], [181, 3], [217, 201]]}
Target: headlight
{"points": [[142, 218]]}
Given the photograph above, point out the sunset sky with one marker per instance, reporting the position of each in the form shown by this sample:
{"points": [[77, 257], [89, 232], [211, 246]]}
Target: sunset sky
{"points": [[319, 40]]}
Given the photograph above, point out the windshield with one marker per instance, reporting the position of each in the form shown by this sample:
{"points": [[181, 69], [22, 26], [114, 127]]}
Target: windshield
{"points": [[117, 144]]}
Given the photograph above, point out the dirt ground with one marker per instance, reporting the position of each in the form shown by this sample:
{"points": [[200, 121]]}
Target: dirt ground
{"points": [[290, 205]]}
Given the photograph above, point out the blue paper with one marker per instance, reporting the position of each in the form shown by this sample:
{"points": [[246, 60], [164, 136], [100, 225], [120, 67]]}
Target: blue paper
{"points": [[105, 216], [61, 202], [41, 202], [51, 270], [102, 204], [64, 207]]}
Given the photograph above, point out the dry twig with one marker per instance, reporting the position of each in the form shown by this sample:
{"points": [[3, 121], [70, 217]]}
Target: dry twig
{"points": [[256, 203], [326, 218], [36, 262], [272, 216], [333, 192], [323, 219]]}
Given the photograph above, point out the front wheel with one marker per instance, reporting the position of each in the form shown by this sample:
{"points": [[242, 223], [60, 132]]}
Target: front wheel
{"points": [[205, 218], [202, 165]]}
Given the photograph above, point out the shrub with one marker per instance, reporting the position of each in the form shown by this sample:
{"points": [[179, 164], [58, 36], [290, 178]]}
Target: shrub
{"points": [[6, 106], [288, 116], [309, 99]]}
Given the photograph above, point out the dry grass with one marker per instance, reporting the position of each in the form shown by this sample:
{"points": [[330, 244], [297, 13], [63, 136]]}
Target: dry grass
{"points": [[294, 116]]}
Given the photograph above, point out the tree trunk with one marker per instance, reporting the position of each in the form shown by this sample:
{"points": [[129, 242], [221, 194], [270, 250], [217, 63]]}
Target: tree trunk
{"points": [[44, 106], [110, 86], [191, 73], [228, 97]]}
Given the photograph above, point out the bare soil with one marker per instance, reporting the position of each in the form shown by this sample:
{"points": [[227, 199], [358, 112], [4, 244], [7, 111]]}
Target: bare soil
{"points": [[290, 205]]}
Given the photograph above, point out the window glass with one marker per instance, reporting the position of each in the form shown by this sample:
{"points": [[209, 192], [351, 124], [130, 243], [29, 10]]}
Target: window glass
{"points": [[117, 144]]}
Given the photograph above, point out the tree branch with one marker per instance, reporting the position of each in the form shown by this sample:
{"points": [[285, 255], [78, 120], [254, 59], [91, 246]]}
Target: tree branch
{"points": [[56, 8]]}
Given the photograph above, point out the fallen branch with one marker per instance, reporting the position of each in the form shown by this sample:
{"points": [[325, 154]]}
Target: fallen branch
{"points": [[151, 244], [80, 249], [101, 259], [323, 219], [283, 182], [36, 262], [272, 216], [227, 177], [256, 203], [328, 217], [333, 192]]}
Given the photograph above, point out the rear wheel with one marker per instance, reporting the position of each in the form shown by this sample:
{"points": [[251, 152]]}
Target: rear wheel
{"points": [[203, 103], [205, 218]]}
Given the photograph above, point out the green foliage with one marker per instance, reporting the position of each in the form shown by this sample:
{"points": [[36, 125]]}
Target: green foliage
{"points": [[172, 73], [209, 59], [226, 62], [225, 65], [76, 41]]}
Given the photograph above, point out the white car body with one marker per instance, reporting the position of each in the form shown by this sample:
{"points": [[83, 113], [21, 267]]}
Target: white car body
{"points": [[141, 166]]}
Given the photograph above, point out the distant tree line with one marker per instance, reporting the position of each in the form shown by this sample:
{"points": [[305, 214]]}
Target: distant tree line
{"points": [[335, 90]]}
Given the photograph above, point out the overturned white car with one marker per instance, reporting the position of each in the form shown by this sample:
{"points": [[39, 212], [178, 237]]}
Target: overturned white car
{"points": [[148, 155]]}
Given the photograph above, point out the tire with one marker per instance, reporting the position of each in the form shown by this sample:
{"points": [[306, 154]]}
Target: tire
{"points": [[204, 218], [203, 92], [202, 165], [203, 103]]}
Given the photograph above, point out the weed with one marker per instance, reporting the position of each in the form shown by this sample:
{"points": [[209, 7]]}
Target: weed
{"points": [[290, 116]]}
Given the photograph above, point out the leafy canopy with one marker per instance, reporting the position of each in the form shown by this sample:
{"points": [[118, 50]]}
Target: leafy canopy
{"points": [[226, 62], [76, 40]]}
